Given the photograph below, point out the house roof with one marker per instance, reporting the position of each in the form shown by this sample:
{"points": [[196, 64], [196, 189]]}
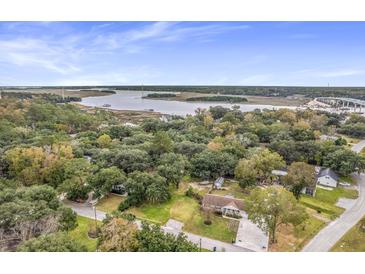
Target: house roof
{"points": [[279, 172], [221, 201], [328, 172]]}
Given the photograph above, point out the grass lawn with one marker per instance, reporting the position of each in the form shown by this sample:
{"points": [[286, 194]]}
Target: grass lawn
{"points": [[294, 239], [80, 233], [328, 210], [187, 210], [109, 203], [332, 196], [353, 240], [325, 201]]}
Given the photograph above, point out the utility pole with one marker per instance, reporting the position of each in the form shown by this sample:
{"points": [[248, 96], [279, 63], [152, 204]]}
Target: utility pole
{"points": [[96, 223]]}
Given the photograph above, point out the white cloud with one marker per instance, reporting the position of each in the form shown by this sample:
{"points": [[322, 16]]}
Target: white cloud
{"points": [[39, 53], [162, 32]]}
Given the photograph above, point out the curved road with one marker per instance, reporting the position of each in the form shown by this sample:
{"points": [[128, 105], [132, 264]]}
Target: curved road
{"points": [[334, 231]]}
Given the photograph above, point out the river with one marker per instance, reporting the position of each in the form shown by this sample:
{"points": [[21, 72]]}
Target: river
{"points": [[132, 100]]}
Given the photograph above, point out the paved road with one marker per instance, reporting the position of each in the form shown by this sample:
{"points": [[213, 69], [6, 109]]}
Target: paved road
{"points": [[206, 243], [334, 231]]}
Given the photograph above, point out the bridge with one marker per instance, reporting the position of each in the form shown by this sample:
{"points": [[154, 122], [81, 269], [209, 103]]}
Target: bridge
{"points": [[342, 102]]}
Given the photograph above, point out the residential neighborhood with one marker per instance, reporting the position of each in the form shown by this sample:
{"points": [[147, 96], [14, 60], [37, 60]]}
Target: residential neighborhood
{"points": [[113, 165]]}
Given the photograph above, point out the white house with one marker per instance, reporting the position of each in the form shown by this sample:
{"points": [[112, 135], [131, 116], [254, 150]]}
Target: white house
{"points": [[327, 177]]}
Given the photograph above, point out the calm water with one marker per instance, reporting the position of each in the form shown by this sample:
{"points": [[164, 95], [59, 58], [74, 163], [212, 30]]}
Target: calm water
{"points": [[131, 100]]}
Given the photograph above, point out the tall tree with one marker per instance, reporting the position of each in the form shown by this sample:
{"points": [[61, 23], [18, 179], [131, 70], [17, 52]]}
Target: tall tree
{"points": [[118, 235], [300, 175], [274, 206], [103, 181]]}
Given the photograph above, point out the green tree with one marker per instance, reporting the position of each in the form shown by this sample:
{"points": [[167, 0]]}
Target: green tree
{"points": [[161, 143], [152, 239], [104, 141], [344, 161], [56, 242], [258, 167], [245, 173], [300, 175], [102, 181], [274, 206], [173, 167], [132, 160], [212, 164], [75, 184], [67, 219]]}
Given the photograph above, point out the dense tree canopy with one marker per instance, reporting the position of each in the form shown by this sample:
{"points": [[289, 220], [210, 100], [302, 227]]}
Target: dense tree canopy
{"points": [[55, 242]]}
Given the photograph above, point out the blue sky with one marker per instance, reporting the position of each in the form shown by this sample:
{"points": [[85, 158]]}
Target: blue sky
{"points": [[182, 53]]}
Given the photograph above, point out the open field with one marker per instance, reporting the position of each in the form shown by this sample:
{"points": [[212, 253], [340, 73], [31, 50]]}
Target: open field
{"points": [[80, 233], [187, 210], [109, 203], [353, 240]]}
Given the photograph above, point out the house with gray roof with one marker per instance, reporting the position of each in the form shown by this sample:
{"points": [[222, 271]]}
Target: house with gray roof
{"points": [[327, 177]]}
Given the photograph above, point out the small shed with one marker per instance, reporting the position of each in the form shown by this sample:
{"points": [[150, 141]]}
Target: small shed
{"points": [[218, 183]]}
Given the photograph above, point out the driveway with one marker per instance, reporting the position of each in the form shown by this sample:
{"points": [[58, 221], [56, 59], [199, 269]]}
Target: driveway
{"points": [[250, 236], [359, 146], [334, 231]]}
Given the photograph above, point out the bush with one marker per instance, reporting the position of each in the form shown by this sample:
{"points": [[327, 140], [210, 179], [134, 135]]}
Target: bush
{"points": [[124, 205], [189, 192]]}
